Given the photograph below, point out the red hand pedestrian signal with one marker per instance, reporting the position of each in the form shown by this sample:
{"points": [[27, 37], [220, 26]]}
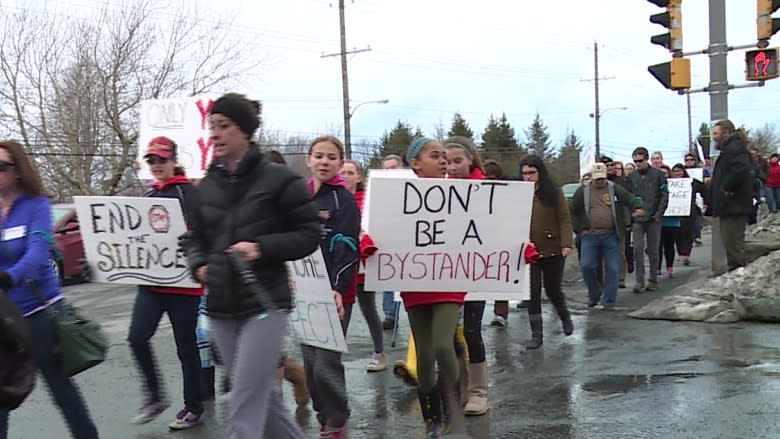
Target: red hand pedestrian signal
{"points": [[761, 64]]}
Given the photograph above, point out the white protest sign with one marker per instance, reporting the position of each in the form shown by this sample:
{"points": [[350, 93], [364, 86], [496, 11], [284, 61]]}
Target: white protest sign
{"points": [[184, 120], [134, 240], [452, 235], [314, 321], [680, 196], [381, 173], [697, 174], [484, 297], [587, 159]]}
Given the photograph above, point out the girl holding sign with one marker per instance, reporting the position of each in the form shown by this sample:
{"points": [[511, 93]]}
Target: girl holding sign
{"points": [[181, 305], [464, 163], [353, 177], [433, 318], [340, 219], [670, 231]]}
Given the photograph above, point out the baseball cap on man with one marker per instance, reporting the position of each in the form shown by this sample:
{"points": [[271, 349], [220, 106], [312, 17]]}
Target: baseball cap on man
{"points": [[599, 170], [161, 147]]}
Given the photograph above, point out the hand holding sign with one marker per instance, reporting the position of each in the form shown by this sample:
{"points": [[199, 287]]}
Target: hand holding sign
{"points": [[249, 250]]}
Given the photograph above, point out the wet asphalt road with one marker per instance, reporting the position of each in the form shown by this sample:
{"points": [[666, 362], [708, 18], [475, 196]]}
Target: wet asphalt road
{"points": [[616, 377]]}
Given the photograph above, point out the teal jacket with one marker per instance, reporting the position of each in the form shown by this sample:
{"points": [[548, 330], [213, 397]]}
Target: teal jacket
{"points": [[580, 215]]}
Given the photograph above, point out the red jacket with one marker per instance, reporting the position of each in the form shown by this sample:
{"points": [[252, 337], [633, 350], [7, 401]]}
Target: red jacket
{"points": [[367, 246], [169, 189], [773, 179], [412, 299]]}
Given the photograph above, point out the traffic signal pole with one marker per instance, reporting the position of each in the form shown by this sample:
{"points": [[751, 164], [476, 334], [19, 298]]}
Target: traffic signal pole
{"points": [[719, 107]]}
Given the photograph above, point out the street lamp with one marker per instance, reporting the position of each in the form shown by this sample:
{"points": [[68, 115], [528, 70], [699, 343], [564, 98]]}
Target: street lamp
{"points": [[348, 128], [597, 116]]}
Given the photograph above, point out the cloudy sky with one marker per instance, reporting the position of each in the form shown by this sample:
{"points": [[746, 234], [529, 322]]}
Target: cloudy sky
{"points": [[431, 58]]}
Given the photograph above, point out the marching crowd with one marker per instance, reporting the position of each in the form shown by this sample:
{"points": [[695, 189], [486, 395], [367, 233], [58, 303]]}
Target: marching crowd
{"points": [[250, 214]]}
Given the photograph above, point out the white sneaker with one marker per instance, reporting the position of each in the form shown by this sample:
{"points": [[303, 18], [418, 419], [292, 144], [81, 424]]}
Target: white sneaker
{"points": [[499, 321], [378, 362]]}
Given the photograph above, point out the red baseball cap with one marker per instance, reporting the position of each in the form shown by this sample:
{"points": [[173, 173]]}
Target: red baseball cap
{"points": [[161, 147]]}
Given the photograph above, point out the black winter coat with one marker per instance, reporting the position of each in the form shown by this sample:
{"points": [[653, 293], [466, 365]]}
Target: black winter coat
{"points": [[650, 185], [260, 202], [340, 218], [732, 180]]}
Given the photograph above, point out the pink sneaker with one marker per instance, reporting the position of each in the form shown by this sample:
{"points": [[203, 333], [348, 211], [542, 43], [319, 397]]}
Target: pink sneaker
{"points": [[334, 432]]}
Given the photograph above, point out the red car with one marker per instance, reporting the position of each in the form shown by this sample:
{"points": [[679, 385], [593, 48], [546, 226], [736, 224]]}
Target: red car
{"points": [[67, 238]]}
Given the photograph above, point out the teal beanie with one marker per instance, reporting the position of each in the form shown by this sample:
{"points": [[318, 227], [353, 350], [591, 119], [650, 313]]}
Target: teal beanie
{"points": [[416, 147]]}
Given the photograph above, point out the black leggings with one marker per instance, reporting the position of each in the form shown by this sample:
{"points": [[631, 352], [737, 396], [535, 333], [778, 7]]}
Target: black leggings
{"points": [[666, 250], [472, 326], [550, 271], [685, 237]]}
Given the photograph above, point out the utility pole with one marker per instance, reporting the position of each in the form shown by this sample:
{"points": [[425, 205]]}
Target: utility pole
{"points": [[597, 113], [719, 107], [345, 83], [597, 109], [345, 80], [691, 145]]}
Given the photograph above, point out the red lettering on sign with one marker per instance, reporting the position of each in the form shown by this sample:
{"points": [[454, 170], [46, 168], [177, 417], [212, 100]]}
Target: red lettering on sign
{"points": [[204, 146], [463, 266], [204, 109]]}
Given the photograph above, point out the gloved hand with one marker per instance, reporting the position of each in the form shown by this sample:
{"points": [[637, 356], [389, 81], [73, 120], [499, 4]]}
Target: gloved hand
{"points": [[6, 281], [86, 269], [184, 241], [531, 255]]}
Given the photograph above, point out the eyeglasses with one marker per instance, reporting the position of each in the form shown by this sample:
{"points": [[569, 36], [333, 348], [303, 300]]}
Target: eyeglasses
{"points": [[530, 172], [637, 161], [690, 160], [5, 166], [156, 160]]}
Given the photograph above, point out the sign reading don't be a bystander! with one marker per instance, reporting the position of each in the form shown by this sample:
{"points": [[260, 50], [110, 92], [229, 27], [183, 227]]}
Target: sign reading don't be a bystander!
{"points": [[443, 235], [133, 240]]}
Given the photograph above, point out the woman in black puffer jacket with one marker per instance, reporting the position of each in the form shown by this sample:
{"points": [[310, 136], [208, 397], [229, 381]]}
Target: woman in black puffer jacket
{"points": [[263, 213]]}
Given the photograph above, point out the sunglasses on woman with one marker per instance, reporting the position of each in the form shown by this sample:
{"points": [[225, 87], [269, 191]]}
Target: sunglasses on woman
{"points": [[4, 166], [156, 160]]}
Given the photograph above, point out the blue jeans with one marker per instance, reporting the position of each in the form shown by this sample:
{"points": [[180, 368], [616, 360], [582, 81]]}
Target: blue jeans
{"points": [[772, 196], [183, 313], [62, 389], [389, 306], [597, 248]]}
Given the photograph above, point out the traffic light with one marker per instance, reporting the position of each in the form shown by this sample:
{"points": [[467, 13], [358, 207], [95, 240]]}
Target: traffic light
{"points": [[761, 64], [672, 20], [766, 26], [674, 75]]}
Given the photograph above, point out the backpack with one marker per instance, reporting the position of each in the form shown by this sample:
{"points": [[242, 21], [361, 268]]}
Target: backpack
{"points": [[17, 363]]}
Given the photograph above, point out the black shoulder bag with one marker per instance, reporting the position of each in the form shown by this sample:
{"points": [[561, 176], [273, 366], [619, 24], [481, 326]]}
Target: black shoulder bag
{"points": [[82, 343]]}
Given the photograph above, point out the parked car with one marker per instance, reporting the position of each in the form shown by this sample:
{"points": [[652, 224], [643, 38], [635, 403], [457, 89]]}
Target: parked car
{"points": [[569, 189], [67, 238]]}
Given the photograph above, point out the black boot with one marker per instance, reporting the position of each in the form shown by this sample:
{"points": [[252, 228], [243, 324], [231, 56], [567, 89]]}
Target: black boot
{"points": [[207, 384], [566, 323], [536, 332], [430, 405]]}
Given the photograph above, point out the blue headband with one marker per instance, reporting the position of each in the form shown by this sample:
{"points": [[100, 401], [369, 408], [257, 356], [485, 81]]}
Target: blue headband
{"points": [[416, 147]]}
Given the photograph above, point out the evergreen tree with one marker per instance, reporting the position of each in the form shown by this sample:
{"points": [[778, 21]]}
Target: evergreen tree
{"points": [[395, 142], [566, 168], [460, 127], [499, 143], [538, 140]]}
